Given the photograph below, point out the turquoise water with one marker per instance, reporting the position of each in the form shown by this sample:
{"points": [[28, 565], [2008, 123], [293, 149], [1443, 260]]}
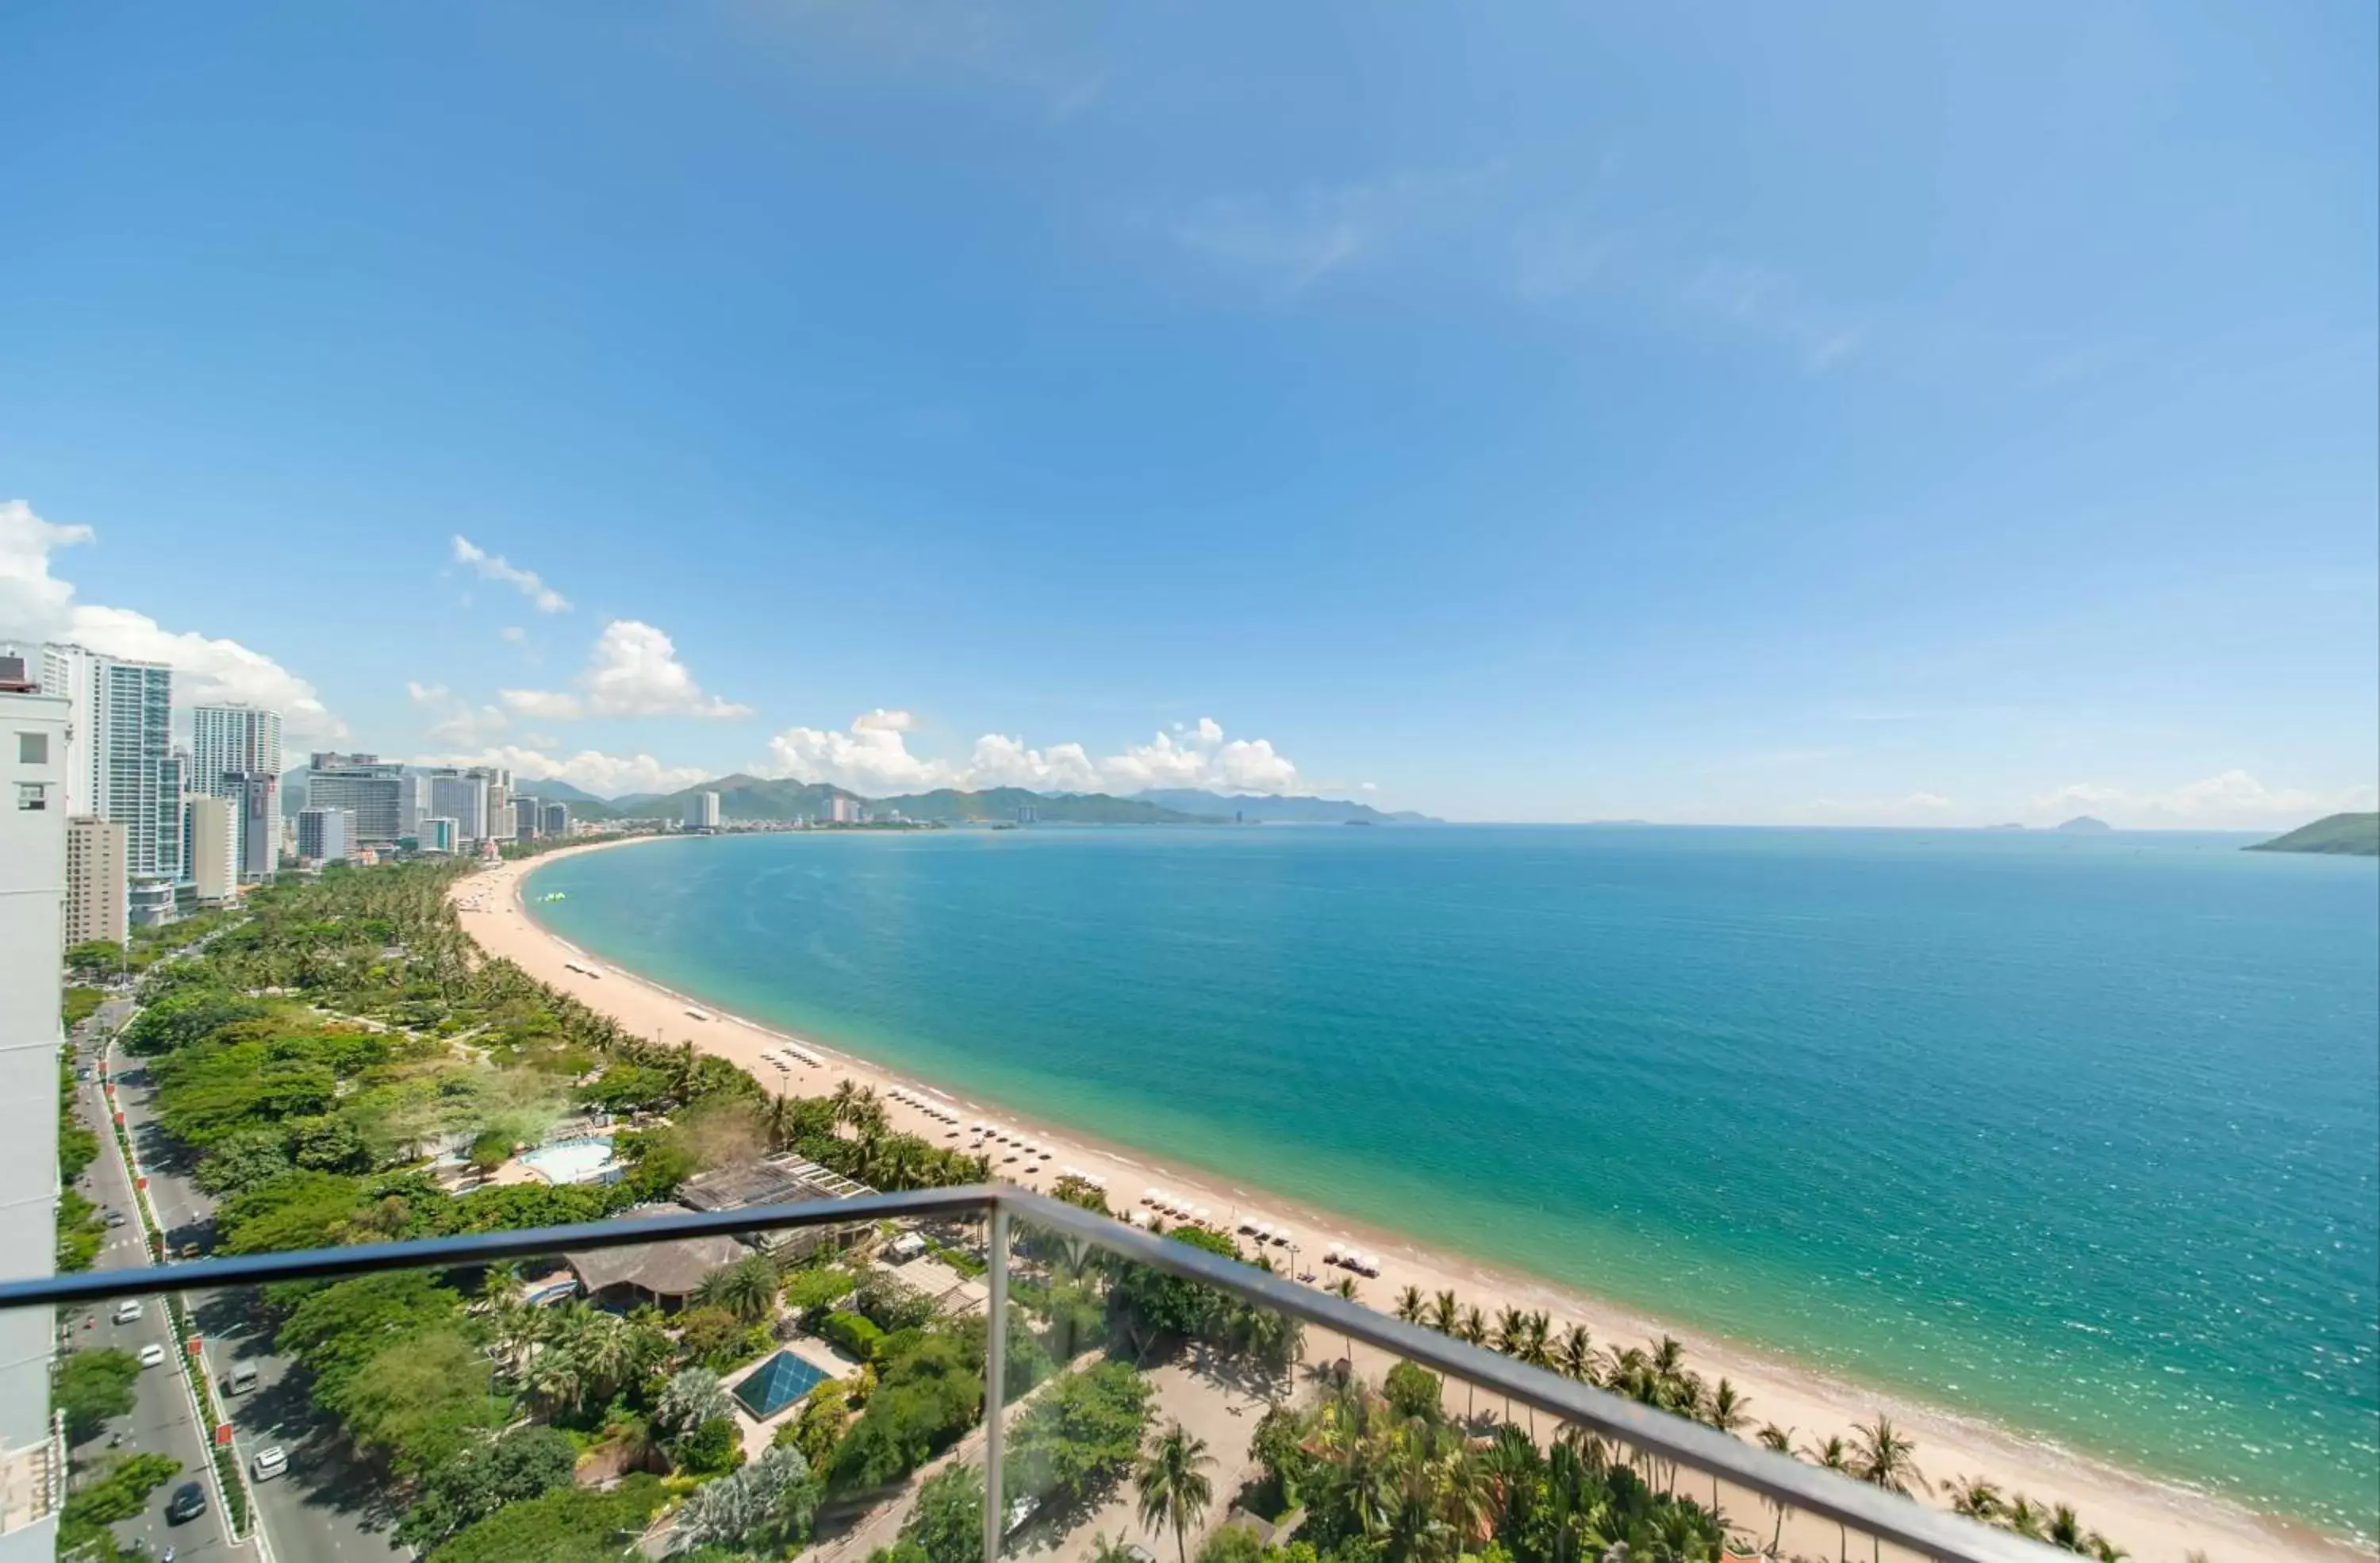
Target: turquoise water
{"points": [[2078, 1132]]}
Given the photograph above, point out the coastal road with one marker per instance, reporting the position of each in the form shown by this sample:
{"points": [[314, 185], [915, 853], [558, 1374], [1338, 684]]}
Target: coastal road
{"points": [[325, 1507], [161, 1421]]}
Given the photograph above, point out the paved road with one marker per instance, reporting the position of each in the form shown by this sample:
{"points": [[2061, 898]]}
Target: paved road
{"points": [[326, 1507], [161, 1421]]}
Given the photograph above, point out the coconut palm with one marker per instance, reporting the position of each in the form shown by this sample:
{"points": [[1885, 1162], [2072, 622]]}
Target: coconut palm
{"points": [[1173, 1485], [1443, 1314], [1777, 1440], [1725, 1408], [1975, 1498], [1575, 1354], [1834, 1455], [2104, 1550], [747, 1289], [2025, 1518], [2065, 1529], [1883, 1458], [1410, 1305], [1511, 1329]]}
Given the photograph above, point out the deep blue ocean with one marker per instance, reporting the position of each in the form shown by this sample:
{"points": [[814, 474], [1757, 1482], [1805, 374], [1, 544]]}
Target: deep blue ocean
{"points": [[2077, 1132]]}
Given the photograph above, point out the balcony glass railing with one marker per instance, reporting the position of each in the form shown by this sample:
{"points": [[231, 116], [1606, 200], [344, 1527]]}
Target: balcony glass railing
{"points": [[936, 1376]]}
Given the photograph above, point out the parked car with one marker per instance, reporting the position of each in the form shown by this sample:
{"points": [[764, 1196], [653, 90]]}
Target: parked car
{"points": [[115, 1218], [270, 1463], [152, 1355], [188, 1502], [128, 1310]]}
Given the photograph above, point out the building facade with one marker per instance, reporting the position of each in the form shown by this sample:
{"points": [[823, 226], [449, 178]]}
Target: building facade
{"points": [[325, 835], [439, 833], [211, 847], [528, 820], [363, 785], [224, 739], [554, 820], [499, 801], [255, 798], [34, 787], [461, 796], [99, 900], [702, 811], [844, 811], [120, 752]]}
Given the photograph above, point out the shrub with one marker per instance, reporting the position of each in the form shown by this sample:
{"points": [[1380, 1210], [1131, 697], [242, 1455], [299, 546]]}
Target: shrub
{"points": [[1413, 1390], [855, 1333], [710, 1449]]}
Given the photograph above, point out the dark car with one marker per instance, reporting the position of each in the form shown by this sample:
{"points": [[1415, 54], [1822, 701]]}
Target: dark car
{"points": [[188, 1502]]}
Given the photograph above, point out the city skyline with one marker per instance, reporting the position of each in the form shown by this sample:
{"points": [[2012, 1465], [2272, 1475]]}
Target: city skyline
{"points": [[1613, 419]]}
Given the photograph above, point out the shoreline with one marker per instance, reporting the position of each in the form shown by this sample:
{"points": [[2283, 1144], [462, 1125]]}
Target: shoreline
{"points": [[2159, 1521]]}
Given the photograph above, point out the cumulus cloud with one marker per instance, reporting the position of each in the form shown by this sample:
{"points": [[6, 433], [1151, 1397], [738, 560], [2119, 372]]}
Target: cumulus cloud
{"points": [[633, 671], [873, 757], [514, 633], [2232, 799], [37, 605], [605, 775], [494, 567], [452, 719]]}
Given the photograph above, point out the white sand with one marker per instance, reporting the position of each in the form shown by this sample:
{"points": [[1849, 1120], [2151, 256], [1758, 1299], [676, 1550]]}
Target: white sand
{"points": [[2157, 1523]]}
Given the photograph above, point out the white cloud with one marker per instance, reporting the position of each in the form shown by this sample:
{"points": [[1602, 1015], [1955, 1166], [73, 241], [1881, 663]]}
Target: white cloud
{"points": [[1369, 786], [605, 775], [868, 760], [1287, 244], [494, 567], [633, 671], [1764, 301], [36, 605], [873, 757], [513, 634], [1002, 762], [2232, 799], [452, 720]]}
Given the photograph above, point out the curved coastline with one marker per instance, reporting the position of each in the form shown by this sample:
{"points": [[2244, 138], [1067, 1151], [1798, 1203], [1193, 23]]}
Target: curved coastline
{"points": [[2158, 1519]]}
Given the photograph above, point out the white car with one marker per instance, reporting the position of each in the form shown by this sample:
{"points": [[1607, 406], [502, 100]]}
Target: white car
{"points": [[128, 1310], [270, 1463], [152, 1355]]}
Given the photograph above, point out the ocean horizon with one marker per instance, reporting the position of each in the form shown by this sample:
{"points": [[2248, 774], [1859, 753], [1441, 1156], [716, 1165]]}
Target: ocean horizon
{"points": [[2071, 1131]]}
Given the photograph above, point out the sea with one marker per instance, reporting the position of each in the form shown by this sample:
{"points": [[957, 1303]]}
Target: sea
{"points": [[2076, 1134]]}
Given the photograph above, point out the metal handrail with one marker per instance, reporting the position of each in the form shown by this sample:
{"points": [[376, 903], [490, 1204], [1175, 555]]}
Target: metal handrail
{"points": [[1811, 1490]]}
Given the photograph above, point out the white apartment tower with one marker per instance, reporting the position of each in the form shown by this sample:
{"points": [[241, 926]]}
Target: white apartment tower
{"points": [[325, 835], [120, 761], [35, 764], [211, 847], [462, 796], [702, 811]]}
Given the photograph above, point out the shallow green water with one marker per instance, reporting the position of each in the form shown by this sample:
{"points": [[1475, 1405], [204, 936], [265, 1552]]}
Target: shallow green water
{"points": [[2078, 1132]]}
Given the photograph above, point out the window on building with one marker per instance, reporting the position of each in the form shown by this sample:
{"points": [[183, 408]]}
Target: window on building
{"points": [[32, 795], [32, 748]]}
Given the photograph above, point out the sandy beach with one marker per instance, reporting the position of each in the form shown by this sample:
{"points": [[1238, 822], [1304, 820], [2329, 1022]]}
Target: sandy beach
{"points": [[2155, 1523]]}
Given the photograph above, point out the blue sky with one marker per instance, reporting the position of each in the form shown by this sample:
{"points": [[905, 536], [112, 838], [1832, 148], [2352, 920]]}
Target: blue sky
{"points": [[1879, 413]]}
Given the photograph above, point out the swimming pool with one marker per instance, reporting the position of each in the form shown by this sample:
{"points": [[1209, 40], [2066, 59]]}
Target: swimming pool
{"points": [[776, 1383], [574, 1161]]}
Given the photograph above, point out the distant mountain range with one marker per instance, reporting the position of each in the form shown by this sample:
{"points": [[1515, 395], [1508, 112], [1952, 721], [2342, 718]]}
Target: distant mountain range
{"points": [[751, 799], [2086, 823], [1261, 807], [2343, 835]]}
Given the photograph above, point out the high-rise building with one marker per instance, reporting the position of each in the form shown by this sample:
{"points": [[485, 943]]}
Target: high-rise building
{"points": [[499, 801], [34, 787], [438, 833], [224, 739], [372, 791], [99, 904], [461, 796], [702, 811], [555, 820], [120, 752], [528, 818], [255, 796], [211, 847], [325, 835], [844, 811]]}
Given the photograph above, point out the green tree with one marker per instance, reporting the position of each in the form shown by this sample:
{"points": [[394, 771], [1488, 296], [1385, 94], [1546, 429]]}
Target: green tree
{"points": [[91, 1386], [1173, 1485], [1079, 1434], [95, 959], [122, 1492], [525, 1463], [747, 1289], [568, 1525], [946, 1525], [692, 1397], [1883, 1458], [1413, 1390]]}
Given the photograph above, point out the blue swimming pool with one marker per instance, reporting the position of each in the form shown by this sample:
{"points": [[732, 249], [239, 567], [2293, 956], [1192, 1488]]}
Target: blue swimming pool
{"points": [[574, 1161]]}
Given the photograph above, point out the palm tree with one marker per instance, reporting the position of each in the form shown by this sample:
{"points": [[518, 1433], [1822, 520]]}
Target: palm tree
{"points": [[1777, 1440], [2065, 1529], [1443, 1314], [1173, 1485], [1512, 1326], [1835, 1455], [1576, 1354], [1883, 1458], [2104, 1550], [1724, 1409], [1471, 1330], [1410, 1305], [1975, 1498], [2025, 1518], [1345, 1290], [747, 1289]]}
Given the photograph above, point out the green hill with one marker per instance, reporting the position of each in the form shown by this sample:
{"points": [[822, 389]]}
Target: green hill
{"points": [[742, 798], [995, 804], [2344, 835]]}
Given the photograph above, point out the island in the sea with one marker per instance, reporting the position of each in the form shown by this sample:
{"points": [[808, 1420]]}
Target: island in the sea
{"points": [[2341, 835], [2086, 823]]}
